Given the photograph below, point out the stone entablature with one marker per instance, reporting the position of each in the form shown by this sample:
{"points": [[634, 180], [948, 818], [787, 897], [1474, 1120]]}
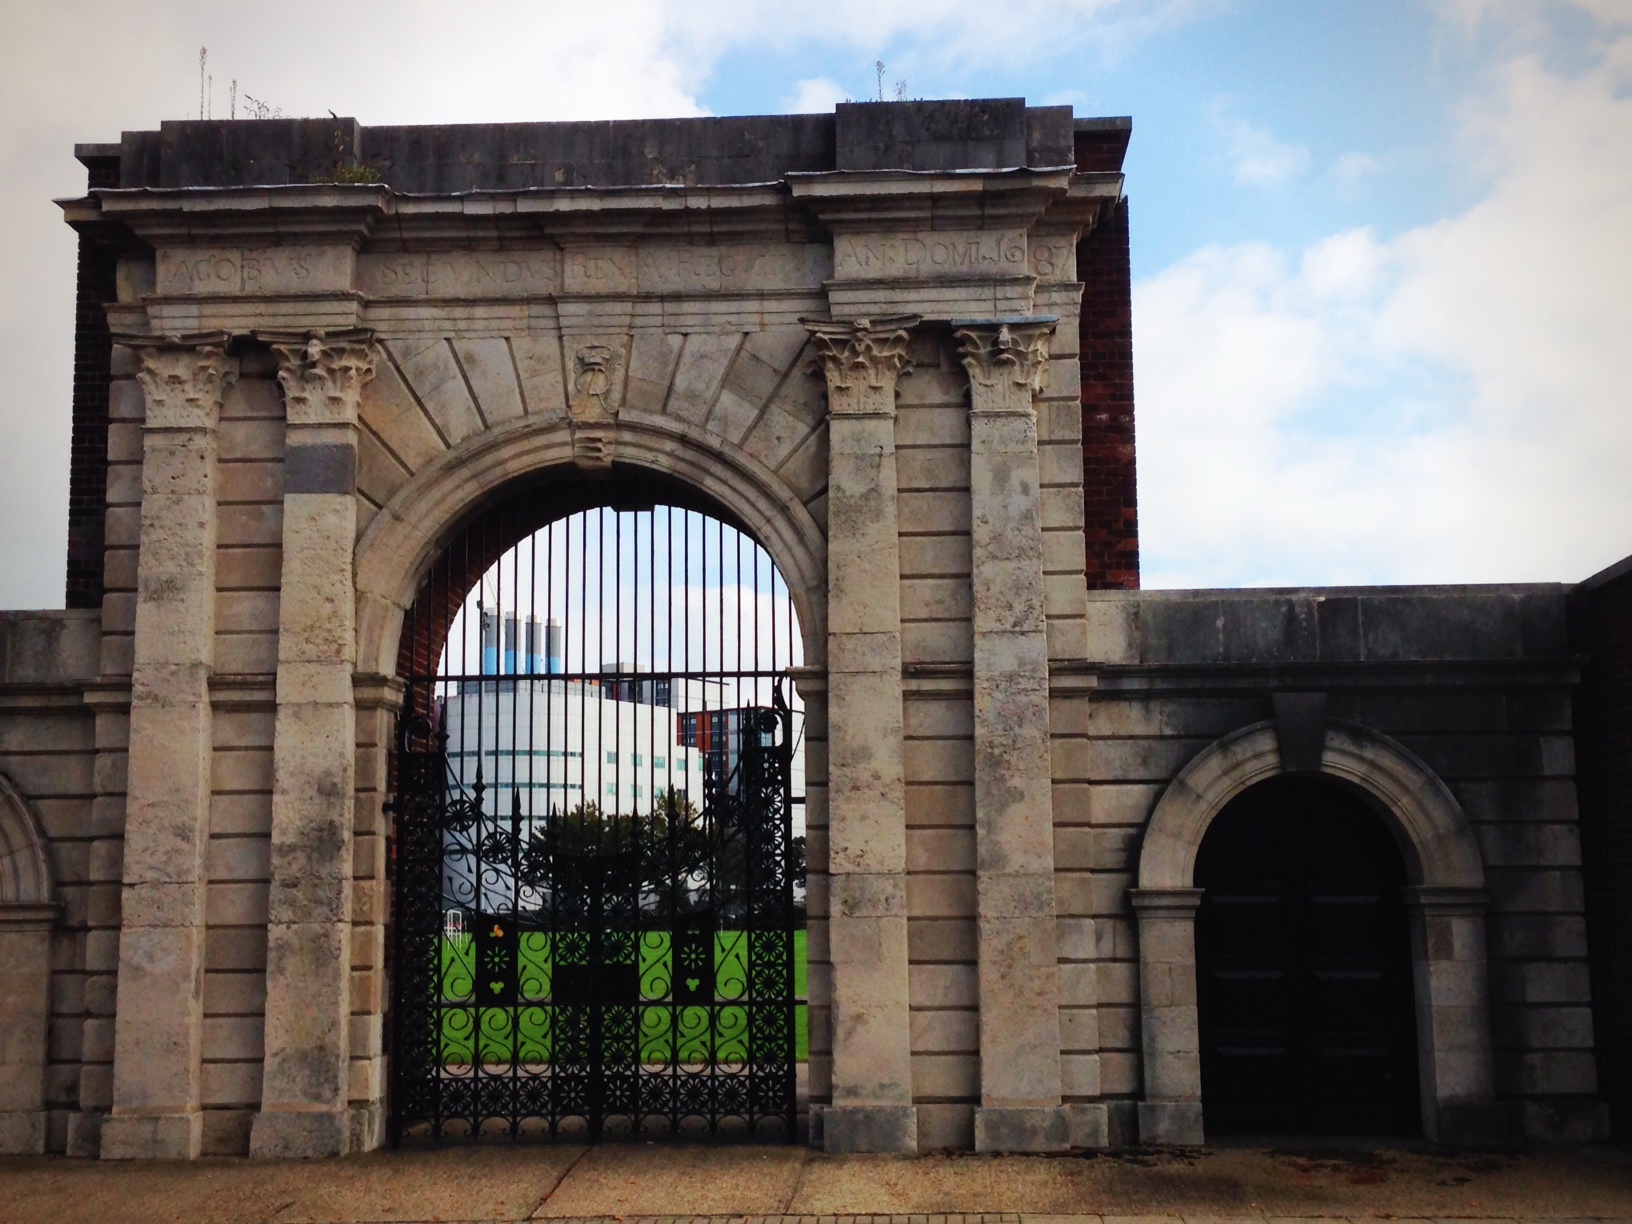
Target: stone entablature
{"points": [[859, 337]]}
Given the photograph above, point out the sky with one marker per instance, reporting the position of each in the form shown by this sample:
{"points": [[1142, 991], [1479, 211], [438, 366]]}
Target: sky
{"points": [[1382, 249]]}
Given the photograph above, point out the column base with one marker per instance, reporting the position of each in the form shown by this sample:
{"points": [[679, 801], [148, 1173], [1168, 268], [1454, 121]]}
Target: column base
{"points": [[870, 1128], [22, 1133], [367, 1127], [1475, 1124], [1566, 1121], [1170, 1123], [1088, 1127], [153, 1136], [1033, 1128], [282, 1134], [85, 1133]]}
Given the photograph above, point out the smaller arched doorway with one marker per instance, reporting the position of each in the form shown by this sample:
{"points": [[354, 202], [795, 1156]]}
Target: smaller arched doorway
{"points": [[1444, 897], [1303, 967]]}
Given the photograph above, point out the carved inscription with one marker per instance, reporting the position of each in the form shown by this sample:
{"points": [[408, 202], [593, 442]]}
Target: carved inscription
{"points": [[1054, 259], [601, 269], [930, 253], [474, 274], [185, 271], [726, 269]]}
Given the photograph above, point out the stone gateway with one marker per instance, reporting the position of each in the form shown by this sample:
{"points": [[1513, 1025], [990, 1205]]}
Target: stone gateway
{"points": [[1087, 865]]}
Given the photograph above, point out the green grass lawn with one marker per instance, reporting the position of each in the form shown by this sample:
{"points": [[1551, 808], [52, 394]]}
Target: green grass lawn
{"points": [[688, 1034]]}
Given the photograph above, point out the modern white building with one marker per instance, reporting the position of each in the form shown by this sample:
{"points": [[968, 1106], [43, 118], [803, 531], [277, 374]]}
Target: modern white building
{"points": [[557, 744]]}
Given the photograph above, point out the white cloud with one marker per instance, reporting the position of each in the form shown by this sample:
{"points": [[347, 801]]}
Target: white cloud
{"points": [[1451, 404], [815, 96], [1257, 158], [84, 70], [1353, 168]]}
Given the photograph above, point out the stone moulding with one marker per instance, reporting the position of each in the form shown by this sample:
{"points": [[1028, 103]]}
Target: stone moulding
{"points": [[403, 538], [25, 868]]}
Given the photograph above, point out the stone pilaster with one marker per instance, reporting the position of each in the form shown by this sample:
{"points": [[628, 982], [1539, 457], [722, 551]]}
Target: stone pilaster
{"points": [[1169, 1026], [1454, 1049], [1007, 361], [159, 1023], [872, 1106], [308, 958]]}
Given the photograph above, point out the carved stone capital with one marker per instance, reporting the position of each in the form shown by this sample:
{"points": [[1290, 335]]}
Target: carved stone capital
{"points": [[1005, 354], [323, 378], [863, 359], [184, 381]]}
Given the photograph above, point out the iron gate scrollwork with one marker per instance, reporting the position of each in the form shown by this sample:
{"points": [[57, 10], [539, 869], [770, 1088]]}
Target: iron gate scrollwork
{"points": [[604, 966]]}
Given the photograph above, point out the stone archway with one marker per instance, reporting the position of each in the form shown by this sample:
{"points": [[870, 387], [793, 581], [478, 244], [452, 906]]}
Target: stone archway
{"points": [[400, 545], [27, 915], [1447, 903], [408, 532]]}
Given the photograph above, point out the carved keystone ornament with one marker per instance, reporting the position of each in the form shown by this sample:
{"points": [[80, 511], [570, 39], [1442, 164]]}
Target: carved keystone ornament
{"points": [[594, 406]]}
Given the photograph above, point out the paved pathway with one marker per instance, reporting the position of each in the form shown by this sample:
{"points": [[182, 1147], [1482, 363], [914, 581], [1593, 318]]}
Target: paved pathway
{"points": [[649, 1184]]}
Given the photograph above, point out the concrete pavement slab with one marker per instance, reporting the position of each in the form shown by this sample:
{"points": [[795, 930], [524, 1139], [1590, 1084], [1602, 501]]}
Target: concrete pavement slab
{"points": [[457, 1183], [645, 1179], [670, 1185]]}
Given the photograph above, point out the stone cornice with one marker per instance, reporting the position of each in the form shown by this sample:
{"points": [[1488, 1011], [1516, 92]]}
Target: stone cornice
{"points": [[899, 199], [315, 213], [354, 215]]}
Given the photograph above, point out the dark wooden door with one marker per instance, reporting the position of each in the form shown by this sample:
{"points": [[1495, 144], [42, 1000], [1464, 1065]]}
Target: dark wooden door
{"points": [[1303, 968]]}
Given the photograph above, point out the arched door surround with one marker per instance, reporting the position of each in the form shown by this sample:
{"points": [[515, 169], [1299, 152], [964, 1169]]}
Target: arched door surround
{"points": [[410, 530], [1445, 897], [27, 914]]}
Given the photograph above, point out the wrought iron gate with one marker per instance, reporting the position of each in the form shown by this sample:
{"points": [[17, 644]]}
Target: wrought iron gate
{"points": [[595, 860]]}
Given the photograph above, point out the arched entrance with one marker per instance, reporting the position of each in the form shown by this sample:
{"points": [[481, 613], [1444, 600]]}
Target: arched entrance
{"points": [[597, 780], [1303, 967], [1445, 900]]}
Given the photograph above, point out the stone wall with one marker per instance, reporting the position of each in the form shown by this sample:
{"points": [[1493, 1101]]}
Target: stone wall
{"points": [[1601, 632], [1476, 681], [50, 905]]}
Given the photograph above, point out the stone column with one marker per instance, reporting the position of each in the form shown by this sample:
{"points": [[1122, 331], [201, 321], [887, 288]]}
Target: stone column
{"points": [[1020, 1111], [1455, 1066], [308, 953], [872, 1108], [158, 1029], [1169, 1029]]}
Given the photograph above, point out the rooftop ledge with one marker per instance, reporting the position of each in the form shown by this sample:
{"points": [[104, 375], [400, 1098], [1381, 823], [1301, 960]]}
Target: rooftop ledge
{"points": [[978, 137]]}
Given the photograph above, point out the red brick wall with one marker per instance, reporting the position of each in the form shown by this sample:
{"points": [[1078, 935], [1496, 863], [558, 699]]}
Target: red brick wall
{"points": [[1602, 632], [1109, 485], [88, 445]]}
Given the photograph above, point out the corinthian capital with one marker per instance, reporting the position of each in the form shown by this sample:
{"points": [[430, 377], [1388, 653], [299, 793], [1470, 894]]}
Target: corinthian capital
{"points": [[183, 379], [1003, 355], [323, 378], [862, 359]]}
